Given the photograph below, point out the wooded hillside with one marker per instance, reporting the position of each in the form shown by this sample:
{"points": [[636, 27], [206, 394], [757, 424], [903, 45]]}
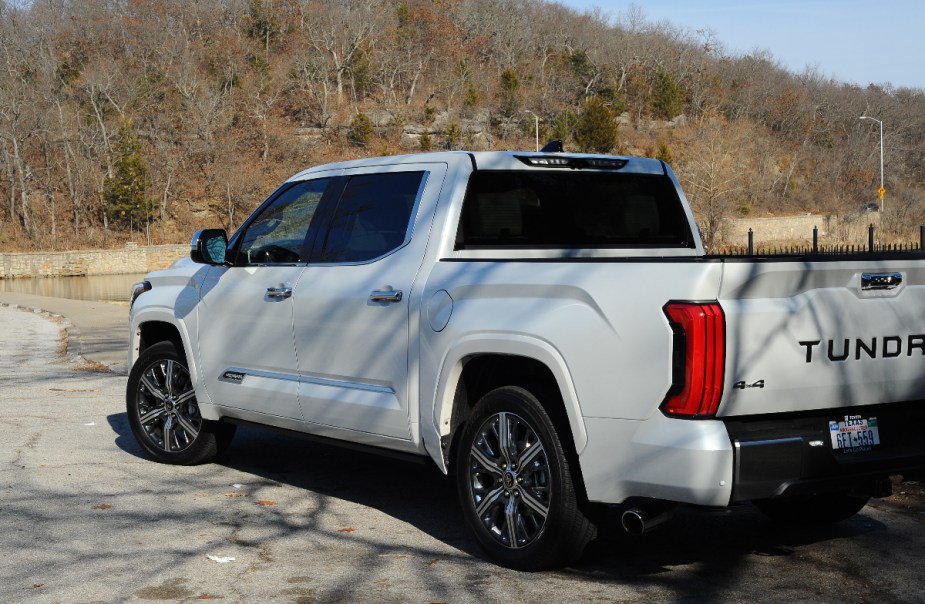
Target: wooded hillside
{"points": [[147, 119]]}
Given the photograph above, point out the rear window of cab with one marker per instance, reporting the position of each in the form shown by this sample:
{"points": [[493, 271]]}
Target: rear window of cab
{"points": [[571, 209]]}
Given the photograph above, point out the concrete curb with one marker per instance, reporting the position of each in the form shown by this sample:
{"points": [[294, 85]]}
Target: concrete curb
{"points": [[96, 331], [73, 351]]}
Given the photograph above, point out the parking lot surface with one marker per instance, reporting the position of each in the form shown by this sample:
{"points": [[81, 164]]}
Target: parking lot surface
{"points": [[85, 517]]}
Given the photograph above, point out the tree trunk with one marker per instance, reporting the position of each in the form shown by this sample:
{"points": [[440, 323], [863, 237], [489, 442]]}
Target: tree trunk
{"points": [[71, 185], [164, 196], [98, 112], [339, 73], [23, 174], [11, 179], [50, 194], [414, 82], [230, 206]]}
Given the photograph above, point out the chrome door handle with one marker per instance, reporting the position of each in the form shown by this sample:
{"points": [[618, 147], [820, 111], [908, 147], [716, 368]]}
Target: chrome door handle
{"points": [[880, 281], [279, 293], [387, 295]]}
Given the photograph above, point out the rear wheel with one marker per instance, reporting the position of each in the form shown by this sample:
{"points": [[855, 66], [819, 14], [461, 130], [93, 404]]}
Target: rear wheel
{"points": [[822, 508], [516, 486], [163, 411]]}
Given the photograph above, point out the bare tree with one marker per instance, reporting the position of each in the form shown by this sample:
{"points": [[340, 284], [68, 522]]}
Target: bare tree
{"points": [[216, 86], [18, 118], [715, 171], [338, 30]]}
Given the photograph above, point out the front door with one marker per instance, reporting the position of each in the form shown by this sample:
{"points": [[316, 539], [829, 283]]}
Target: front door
{"points": [[246, 345]]}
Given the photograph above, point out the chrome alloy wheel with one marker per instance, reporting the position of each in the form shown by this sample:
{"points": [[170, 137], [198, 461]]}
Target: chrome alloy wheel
{"points": [[509, 480], [167, 410]]}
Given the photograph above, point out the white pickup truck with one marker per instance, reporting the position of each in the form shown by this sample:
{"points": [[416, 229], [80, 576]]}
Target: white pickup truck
{"points": [[547, 327]]}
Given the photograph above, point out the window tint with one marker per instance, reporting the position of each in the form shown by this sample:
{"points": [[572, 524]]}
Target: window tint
{"points": [[277, 235], [372, 216], [564, 209]]}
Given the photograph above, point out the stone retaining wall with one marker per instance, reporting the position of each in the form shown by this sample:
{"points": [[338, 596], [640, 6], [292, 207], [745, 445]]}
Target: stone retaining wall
{"points": [[837, 229], [131, 259]]}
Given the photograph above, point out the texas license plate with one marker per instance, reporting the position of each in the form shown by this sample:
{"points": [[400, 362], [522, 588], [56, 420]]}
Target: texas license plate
{"points": [[854, 433]]}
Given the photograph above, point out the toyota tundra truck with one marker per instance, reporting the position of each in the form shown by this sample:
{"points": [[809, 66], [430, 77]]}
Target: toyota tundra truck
{"points": [[547, 328]]}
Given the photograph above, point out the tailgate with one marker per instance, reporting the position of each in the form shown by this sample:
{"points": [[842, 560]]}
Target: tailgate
{"points": [[817, 335]]}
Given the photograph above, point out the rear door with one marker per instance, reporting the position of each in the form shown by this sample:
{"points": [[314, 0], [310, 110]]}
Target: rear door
{"points": [[819, 335], [354, 302]]}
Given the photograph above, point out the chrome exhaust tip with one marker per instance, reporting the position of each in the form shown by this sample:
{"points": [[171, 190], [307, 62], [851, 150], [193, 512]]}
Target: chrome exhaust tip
{"points": [[637, 521]]}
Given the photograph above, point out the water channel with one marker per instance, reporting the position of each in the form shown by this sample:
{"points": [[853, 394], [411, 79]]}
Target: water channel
{"points": [[98, 288]]}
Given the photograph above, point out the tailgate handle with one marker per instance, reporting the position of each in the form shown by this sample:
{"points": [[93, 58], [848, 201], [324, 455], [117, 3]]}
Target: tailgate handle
{"points": [[880, 281]]}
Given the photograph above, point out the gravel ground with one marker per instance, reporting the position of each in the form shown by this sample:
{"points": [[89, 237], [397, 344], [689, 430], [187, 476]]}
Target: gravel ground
{"points": [[84, 517]]}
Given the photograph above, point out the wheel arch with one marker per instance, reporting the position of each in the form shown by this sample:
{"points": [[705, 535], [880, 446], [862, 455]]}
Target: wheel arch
{"points": [[152, 327], [154, 332], [476, 366]]}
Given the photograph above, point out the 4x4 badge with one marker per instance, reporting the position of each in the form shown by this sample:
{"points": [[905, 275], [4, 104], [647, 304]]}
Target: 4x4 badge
{"points": [[742, 385]]}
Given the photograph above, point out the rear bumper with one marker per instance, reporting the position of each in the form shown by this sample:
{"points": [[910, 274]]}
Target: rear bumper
{"points": [[784, 455], [688, 461], [721, 461]]}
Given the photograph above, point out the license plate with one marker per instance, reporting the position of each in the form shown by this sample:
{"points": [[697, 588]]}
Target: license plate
{"points": [[854, 433]]}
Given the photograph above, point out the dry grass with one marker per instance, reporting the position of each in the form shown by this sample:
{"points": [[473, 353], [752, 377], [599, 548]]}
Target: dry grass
{"points": [[88, 366]]}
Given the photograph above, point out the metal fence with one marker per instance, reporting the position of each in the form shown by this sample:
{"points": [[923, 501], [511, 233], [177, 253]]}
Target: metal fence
{"points": [[750, 249]]}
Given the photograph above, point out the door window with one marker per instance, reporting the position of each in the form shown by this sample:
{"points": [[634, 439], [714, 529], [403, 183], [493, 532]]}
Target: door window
{"points": [[278, 234], [372, 217]]}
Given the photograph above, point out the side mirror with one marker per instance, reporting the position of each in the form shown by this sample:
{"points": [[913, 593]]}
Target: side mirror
{"points": [[208, 246]]}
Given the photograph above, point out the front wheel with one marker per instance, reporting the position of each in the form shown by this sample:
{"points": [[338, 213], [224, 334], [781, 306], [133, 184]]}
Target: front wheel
{"points": [[515, 484], [163, 411]]}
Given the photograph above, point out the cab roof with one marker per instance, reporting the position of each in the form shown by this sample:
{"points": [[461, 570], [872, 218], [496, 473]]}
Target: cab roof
{"points": [[501, 160]]}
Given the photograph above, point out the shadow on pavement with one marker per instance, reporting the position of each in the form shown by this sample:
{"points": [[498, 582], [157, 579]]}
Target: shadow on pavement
{"points": [[414, 493], [715, 542], [124, 438]]}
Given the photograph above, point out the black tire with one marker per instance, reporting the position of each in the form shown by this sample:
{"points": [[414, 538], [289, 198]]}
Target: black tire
{"points": [[819, 509], [164, 414], [520, 501]]}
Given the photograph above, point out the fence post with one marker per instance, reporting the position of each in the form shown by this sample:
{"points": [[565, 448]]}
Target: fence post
{"points": [[751, 242], [815, 239], [870, 238]]}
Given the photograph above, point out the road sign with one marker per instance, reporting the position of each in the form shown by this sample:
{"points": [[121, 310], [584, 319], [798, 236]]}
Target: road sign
{"points": [[882, 192]]}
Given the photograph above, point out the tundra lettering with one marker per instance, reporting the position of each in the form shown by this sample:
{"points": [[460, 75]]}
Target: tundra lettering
{"points": [[892, 347]]}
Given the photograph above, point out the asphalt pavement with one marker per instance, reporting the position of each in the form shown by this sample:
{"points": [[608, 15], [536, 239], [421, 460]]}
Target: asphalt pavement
{"points": [[86, 517]]}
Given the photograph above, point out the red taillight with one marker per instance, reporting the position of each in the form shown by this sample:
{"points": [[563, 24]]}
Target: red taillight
{"points": [[699, 359]]}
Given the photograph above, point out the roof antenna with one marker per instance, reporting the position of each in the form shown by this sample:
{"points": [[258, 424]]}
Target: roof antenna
{"points": [[552, 147]]}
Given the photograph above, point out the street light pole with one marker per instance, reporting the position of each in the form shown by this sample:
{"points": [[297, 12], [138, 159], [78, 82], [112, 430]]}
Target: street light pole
{"points": [[881, 190], [536, 120]]}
